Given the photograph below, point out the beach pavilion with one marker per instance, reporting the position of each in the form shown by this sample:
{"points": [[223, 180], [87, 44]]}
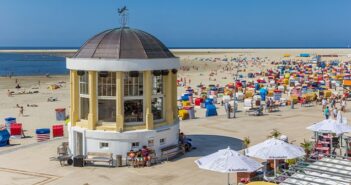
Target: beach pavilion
{"points": [[123, 94]]}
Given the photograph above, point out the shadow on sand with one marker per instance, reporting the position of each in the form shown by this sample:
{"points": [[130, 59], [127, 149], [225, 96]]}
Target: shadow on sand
{"points": [[208, 144]]}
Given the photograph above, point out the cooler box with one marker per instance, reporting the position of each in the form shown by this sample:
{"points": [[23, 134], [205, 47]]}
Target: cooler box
{"points": [[4, 137], [16, 129], [211, 110], [43, 134], [60, 114], [57, 131]]}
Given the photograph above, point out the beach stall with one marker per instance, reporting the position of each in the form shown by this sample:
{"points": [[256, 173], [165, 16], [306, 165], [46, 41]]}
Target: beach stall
{"points": [[124, 94], [211, 110]]}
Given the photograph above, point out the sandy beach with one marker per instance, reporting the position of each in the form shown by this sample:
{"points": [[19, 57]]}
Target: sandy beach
{"points": [[28, 162]]}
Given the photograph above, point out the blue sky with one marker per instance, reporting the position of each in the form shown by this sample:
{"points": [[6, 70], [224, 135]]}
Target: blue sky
{"points": [[181, 23]]}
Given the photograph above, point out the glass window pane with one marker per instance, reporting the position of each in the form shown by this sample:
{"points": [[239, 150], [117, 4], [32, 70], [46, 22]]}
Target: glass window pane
{"points": [[133, 111], [133, 86], [107, 110], [107, 85], [157, 85], [83, 83], [84, 108], [157, 108]]}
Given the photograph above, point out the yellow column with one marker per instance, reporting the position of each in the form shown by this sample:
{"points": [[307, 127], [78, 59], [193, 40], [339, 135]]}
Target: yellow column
{"points": [[147, 97], [74, 97], [92, 116], [168, 85], [174, 95], [119, 102]]}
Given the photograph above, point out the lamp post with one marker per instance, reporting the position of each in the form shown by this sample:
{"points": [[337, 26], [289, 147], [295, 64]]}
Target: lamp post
{"points": [[236, 77]]}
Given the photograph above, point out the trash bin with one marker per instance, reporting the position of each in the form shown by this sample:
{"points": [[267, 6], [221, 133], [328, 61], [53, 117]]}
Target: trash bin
{"points": [[43, 134], [60, 114], [57, 131], [78, 161], [118, 160]]}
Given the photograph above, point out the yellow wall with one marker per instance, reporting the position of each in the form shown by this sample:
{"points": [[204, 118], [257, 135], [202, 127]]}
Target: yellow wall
{"points": [[170, 92]]}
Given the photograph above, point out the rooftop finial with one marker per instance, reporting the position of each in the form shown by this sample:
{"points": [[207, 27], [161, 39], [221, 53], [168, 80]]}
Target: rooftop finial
{"points": [[123, 13]]}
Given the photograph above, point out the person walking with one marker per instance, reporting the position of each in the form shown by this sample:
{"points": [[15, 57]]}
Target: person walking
{"points": [[326, 112], [335, 112], [324, 103], [21, 111], [343, 105]]}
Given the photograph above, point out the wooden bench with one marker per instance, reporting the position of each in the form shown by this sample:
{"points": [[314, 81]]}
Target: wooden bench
{"points": [[172, 151], [99, 157]]}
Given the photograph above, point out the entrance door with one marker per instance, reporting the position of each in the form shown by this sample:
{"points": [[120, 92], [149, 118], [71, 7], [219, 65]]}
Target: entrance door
{"points": [[79, 143]]}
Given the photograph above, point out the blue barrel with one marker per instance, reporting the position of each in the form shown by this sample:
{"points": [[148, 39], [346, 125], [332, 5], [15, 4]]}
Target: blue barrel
{"points": [[42, 131], [4, 137], [8, 122]]}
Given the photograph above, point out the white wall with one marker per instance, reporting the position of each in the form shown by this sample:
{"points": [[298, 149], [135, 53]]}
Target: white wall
{"points": [[120, 143]]}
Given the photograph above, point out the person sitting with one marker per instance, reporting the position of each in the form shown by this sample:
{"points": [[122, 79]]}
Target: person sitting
{"points": [[185, 142], [139, 159], [131, 157], [145, 152]]}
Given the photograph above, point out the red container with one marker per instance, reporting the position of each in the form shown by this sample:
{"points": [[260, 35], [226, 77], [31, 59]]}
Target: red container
{"points": [[57, 131], [198, 101], [16, 129]]}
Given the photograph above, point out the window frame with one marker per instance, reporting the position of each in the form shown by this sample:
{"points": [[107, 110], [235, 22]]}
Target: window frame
{"points": [[101, 122], [162, 95], [139, 97], [87, 96]]}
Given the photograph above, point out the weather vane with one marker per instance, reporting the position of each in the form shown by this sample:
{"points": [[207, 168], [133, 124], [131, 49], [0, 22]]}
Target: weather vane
{"points": [[123, 13]]}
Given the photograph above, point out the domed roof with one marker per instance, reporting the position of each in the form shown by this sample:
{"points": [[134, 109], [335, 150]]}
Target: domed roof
{"points": [[124, 43]]}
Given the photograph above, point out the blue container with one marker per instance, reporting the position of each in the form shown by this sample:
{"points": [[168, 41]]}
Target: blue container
{"points": [[8, 122], [42, 131], [185, 98], [211, 110], [304, 55], [4, 138], [208, 102]]}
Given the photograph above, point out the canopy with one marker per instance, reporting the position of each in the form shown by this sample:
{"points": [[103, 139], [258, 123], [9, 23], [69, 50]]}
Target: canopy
{"points": [[275, 149], [330, 126], [228, 161]]}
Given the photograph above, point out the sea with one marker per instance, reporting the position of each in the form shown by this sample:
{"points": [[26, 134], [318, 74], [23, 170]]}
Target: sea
{"points": [[31, 64], [37, 65]]}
